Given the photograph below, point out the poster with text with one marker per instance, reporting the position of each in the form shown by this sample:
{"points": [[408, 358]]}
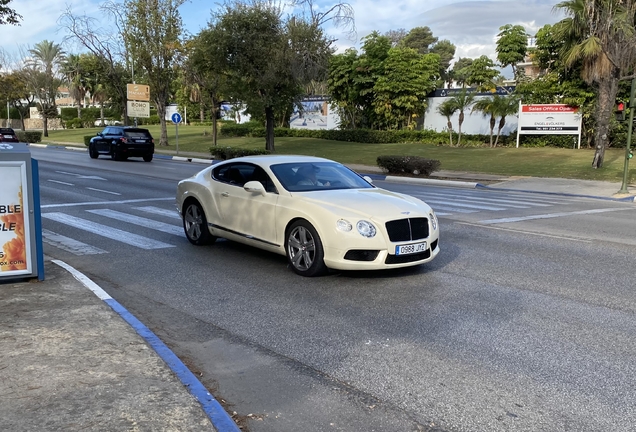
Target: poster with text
{"points": [[15, 253]]}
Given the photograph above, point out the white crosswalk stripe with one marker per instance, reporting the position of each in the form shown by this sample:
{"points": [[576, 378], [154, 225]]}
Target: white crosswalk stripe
{"points": [[70, 245], [106, 231], [140, 221], [160, 211]]}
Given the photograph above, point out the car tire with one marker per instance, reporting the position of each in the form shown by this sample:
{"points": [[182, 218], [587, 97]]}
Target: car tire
{"points": [[195, 224], [92, 152], [148, 158], [305, 253]]}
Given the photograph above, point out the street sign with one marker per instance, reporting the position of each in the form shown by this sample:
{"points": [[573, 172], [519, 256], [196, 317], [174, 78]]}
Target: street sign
{"points": [[176, 118], [139, 92], [138, 109]]}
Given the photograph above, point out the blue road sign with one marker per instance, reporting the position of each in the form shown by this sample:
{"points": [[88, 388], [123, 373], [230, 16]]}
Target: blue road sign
{"points": [[176, 118]]}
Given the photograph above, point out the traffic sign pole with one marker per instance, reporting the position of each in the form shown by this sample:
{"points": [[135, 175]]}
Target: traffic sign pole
{"points": [[176, 119]]}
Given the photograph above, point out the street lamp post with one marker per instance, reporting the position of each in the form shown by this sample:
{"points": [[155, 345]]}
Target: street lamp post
{"points": [[632, 108]]}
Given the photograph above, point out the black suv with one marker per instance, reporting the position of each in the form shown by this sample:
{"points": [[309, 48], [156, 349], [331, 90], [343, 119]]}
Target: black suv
{"points": [[122, 142], [8, 135]]}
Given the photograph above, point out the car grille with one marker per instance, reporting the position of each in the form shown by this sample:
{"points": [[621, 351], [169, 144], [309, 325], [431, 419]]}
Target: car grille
{"points": [[361, 255], [401, 259], [407, 229]]}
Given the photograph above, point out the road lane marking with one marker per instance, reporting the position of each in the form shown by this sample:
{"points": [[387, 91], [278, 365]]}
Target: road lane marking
{"points": [[106, 231], [516, 231], [472, 206], [106, 202], [140, 221], [69, 245], [102, 190], [549, 216], [61, 182], [160, 211], [503, 201]]}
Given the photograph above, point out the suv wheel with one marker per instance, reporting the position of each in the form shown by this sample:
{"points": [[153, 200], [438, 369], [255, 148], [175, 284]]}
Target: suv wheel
{"points": [[148, 158], [92, 152]]}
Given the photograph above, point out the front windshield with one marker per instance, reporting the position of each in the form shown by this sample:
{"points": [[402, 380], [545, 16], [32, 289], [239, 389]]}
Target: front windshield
{"points": [[312, 176]]}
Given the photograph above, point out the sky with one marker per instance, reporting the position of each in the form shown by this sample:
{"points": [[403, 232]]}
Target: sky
{"points": [[472, 25]]}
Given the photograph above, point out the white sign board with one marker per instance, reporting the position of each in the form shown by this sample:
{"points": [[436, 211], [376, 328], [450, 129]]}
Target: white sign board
{"points": [[138, 109], [15, 244], [34, 113], [549, 119], [171, 109]]}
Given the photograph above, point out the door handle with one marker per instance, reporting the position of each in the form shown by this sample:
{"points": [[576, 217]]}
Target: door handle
{"points": [[225, 194]]}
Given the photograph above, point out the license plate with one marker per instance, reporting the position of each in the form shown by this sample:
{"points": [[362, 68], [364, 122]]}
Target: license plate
{"points": [[410, 248], [140, 141], [8, 136]]}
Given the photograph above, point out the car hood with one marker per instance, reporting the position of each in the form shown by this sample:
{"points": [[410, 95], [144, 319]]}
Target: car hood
{"points": [[378, 204]]}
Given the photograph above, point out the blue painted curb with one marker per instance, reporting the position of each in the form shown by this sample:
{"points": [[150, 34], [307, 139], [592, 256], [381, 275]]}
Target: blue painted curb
{"points": [[219, 417]]}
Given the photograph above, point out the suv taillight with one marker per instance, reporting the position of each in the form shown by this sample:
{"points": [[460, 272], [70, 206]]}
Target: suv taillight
{"points": [[124, 140]]}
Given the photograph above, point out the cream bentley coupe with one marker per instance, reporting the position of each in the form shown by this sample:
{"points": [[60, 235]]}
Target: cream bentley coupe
{"points": [[317, 212]]}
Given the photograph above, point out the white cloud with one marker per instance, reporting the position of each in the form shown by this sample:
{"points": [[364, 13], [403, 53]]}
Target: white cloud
{"points": [[39, 22]]}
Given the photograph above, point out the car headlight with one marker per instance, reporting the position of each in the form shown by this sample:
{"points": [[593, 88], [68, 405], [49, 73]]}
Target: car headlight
{"points": [[433, 218], [344, 225], [366, 228]]}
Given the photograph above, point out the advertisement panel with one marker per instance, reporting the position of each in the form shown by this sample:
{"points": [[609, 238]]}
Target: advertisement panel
{"points": [[549, 119], [138, 109], [15, 244], [139, 92]]}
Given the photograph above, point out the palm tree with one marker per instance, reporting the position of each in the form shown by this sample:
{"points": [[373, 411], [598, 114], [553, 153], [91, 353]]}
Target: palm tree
{"points": [[46, 58], [504, 107], [463, 100], [72, 69], [601, 34], [448, 109], [488, 107]]}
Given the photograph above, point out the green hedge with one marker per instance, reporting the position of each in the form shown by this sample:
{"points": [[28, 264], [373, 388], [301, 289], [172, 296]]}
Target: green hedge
{"points": [[412, 165], [87, 139], [224, 153], [69, 113], [29, 136]]}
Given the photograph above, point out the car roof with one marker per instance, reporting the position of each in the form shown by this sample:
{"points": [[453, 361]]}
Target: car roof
{"points": [[268, 160], [7, 130]]}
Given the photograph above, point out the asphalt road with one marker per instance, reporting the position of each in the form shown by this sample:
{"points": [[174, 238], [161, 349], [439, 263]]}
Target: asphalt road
{"points": [[524, 322]]}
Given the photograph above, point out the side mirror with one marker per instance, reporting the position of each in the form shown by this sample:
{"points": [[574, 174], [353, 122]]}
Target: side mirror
{"points": [[368, 179], [254, 187], [99, 134]]}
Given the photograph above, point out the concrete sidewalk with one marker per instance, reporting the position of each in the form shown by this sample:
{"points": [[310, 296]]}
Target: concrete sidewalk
{"points": [[70, 362]]}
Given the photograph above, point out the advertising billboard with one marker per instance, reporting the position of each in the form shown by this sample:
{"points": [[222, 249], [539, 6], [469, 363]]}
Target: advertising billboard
{"points": [[15, 244], [549, 119], [138, 109]]}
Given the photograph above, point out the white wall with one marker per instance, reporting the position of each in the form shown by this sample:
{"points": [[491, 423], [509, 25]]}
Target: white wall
{"points": [[474, 123]]}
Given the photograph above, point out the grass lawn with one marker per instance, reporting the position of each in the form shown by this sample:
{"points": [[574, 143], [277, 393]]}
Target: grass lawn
{"points": [[537, 162]]}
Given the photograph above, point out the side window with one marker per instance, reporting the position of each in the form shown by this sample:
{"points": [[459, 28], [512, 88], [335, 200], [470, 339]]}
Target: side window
{"points": [[260, 175], [106, 131], [235, 174]]}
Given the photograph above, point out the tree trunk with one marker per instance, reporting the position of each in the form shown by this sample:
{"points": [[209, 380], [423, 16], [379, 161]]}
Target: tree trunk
{"points": [[45, 124], [450, 130], [459, 128], [201, 113], [607, 89], [269, 128], [101, 111], [161, 111], [492, 128], [79, 108], [502, 123]]}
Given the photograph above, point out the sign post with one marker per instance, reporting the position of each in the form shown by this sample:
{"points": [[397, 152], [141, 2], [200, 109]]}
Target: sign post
{"points": [[176, 119]]}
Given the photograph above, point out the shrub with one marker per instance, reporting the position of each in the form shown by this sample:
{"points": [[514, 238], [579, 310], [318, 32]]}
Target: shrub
{"points": [[74, 123], [412, 165], [224, 153], [152, 120], [29, 136], [87, 139]]}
